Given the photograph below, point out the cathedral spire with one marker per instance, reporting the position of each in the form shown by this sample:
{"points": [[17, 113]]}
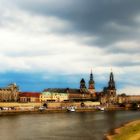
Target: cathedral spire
{"points": [[109, 92], [91, 76], [111, 83], [91, 82]]}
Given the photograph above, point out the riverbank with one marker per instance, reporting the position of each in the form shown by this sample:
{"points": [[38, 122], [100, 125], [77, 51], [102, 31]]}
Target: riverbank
{"points": [[129, 131], [28, 108], [37, 111], [49, 104]]}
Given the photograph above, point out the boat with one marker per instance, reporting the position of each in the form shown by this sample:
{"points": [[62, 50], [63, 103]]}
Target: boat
{"points": [[100, 108], [42, 108], [71, 109]]}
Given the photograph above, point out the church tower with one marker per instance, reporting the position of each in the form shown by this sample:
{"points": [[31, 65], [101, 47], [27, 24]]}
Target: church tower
{"points": [[111, 85], [83, 87], [109, 93], [91, 87], [82, 84]]}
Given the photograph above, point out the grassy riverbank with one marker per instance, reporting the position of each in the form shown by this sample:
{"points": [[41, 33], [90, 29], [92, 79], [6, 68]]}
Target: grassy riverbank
{"points": [[130, 131]]}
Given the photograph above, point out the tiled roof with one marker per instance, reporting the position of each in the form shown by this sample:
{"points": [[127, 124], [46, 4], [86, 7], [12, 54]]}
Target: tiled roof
{"points": [[29, 94], [58, 90], [65, 90], [76, 91]]}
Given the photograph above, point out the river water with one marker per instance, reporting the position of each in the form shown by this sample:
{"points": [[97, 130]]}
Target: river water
{"points": [[63, 126]]}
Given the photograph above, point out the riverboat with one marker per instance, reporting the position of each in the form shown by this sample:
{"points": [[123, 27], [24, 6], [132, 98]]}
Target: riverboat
{"points": [[71, 109], [100, 108], [42, 108]]}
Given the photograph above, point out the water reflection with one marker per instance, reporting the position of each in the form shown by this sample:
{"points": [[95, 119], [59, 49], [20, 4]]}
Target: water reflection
{"points": [[63, 126]]}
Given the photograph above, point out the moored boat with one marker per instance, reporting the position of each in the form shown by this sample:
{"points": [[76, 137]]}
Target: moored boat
{"points": [[100, 108], [71, 109]]}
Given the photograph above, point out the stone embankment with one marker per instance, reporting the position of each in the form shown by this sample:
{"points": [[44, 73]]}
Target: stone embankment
{"points": [[49, 104], [15, 107]]}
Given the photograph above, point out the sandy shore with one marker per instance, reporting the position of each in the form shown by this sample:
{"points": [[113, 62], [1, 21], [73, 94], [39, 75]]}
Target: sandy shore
{"points": [[128, 131]]}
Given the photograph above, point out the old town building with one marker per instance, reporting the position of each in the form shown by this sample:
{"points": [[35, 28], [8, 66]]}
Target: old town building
{"points": [[54, 95], [69, 94], [78, 95], [84, 93], [108, 96], [83, 88], [124, 99], [9, 93], [29, 97]]}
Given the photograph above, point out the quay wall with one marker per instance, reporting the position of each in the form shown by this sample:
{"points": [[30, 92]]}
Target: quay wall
{"points": [[77, 104], [50, 105], [15, 104]]}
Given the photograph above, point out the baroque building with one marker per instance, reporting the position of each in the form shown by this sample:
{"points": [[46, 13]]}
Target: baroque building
{"points": [[54, 95], [9, 93], [126, 99], [108, 96], [84, 93], [68, 94], [29, 96]]}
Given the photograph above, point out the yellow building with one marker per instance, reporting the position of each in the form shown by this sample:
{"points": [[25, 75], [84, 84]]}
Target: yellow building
{"points": [[53, 95], [128, 98]]}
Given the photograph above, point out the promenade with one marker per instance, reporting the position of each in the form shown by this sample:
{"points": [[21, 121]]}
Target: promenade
{"points": [[28, 108]]}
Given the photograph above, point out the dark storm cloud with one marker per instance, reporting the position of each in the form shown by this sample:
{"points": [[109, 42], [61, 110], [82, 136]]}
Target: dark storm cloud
{"points": [[109, 20]]}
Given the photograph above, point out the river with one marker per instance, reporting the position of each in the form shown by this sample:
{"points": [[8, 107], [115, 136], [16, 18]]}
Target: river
{"points": [[63, 126]]}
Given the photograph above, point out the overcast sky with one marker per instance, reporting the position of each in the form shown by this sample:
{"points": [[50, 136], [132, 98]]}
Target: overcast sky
{"points": [[55, 43]]}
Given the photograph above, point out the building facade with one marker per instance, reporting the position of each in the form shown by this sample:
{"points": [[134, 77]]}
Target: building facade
{"points": [[9, 93], [78, 94], [54, 95], [29, 97], [84, 93], [108, 96], [124, 99]]}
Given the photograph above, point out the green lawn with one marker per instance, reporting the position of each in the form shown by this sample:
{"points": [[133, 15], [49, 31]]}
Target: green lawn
{"points": [[129, 132]]}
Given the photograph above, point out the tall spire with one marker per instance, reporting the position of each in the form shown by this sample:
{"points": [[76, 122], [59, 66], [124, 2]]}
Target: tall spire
{"points": [[91, 81], [110, 91], [111, 83], [91, 76]]}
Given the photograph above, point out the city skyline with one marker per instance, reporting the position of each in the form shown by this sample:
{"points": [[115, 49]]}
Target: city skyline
{"points": [[54, 43]]}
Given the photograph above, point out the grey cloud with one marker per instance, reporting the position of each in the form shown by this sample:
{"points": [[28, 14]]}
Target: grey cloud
{"points": [[20, 54], [109, 21], [123, 50], [92, 17], [127, 64]]}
